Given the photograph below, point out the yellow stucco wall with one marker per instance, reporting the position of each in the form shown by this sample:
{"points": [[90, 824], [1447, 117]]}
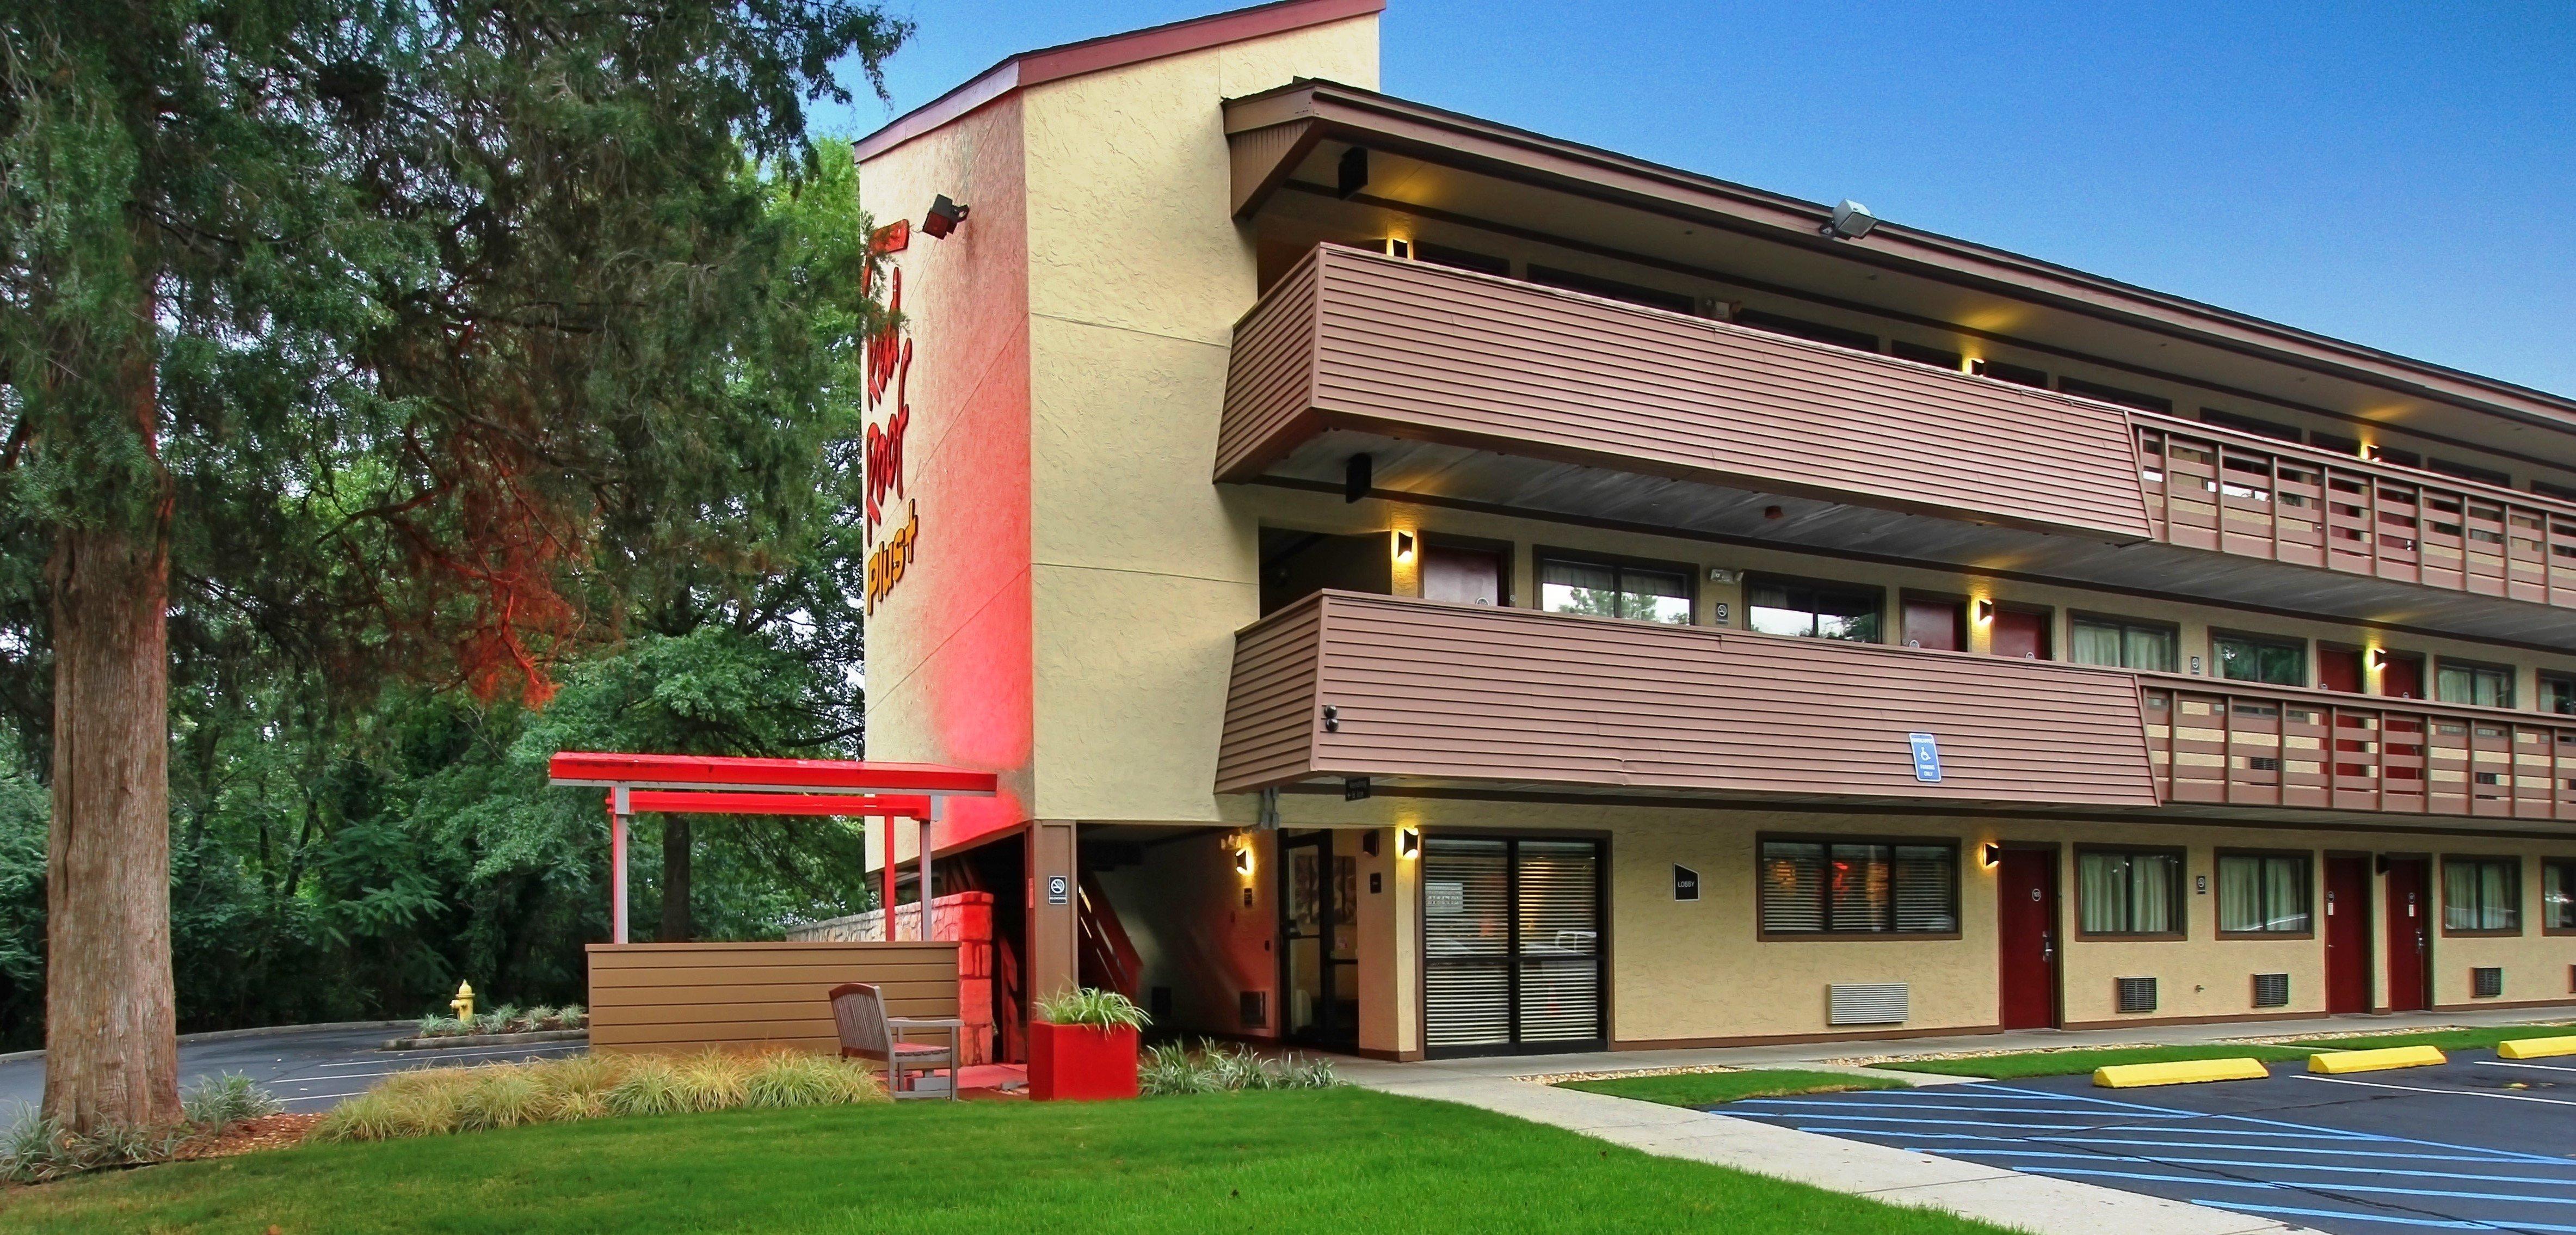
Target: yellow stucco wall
{"points": [[1143, 569]]}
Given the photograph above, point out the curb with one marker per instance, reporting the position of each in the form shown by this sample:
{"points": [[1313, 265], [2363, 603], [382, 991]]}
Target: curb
{"points": [[220, 1035], [487, 1039]]}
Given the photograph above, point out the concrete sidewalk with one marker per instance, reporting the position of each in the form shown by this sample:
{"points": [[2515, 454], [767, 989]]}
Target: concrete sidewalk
{"points": [[1991, 1194]]}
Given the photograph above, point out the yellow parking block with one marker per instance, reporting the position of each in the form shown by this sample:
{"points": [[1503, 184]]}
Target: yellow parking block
{"points": [[2178, 1072], [2337, 1062], [2535, 1048]]}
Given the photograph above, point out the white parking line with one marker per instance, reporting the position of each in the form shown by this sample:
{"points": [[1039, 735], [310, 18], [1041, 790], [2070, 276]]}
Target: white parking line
{"points": [[2537, 1067], [2462, 1093]]}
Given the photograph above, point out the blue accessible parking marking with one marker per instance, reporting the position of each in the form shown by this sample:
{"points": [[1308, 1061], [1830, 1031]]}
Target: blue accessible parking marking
{"points": [[2478, 1144]]}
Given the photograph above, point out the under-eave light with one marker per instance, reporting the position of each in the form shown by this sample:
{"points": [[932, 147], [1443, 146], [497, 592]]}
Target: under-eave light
{"points": [[943, 218]]}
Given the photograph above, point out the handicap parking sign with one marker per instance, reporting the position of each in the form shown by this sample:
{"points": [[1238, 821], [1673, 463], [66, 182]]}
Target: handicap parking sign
{"points": [[1927, 757]]}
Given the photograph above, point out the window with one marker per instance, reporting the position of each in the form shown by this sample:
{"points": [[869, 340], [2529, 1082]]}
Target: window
{"points": [[1859, 888], [1816, 332], [2124, 644], [2335, 442], [1612, 289], [2018, 375], [2113, 394], [1615, 589], [2558, 695], [1813, 610], [2250, 658], [1919, 354], [2129, 891], [2564, 493], [2396, 456], [2469, 471], [2263, 893], [2248, 424], [2558, 896], [2486, 686], [2482, 896]]}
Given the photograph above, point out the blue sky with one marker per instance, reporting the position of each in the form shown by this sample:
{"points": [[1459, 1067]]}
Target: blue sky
{"points": [[2399, 175]]}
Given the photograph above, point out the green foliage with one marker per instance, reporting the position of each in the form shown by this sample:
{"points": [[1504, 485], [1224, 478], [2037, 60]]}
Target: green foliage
{"points": [[1092, 1006], [1170, 1069], [38, 1150], [439, 1101], [218, 1102]]}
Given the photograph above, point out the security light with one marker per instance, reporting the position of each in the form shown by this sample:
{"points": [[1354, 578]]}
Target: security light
{"points": [[944, 217], [1850, 221]]}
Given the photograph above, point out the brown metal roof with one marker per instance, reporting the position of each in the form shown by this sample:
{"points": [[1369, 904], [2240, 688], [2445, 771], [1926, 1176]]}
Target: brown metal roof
{"points": [[1311, 112]]}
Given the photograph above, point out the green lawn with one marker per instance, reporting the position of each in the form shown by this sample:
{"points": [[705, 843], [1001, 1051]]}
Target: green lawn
{"points": [[1315, 1160], [1706, 1089], [2067, 1063]]}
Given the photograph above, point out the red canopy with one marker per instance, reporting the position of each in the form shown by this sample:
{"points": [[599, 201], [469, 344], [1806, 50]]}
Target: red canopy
{"points": [[729, 785]]}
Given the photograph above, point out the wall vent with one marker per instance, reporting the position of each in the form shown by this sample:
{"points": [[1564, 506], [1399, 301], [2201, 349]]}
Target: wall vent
{"points": [[2271, 990], [1254, 1010], [2137, 994], [1865, 1003], [2486, 983]]}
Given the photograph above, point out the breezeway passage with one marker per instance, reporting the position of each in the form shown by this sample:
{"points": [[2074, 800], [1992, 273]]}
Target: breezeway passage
{"points": [[2453, 1148]]}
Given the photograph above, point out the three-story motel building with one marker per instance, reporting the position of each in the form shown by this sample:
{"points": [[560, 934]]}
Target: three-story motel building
{"points": [[1432, 588]]}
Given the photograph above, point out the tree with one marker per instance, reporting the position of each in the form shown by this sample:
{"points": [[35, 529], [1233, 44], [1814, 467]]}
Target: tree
{"points": [[369, 336]]}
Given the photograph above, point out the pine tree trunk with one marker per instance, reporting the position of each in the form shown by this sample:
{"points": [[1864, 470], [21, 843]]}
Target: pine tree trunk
{"points": [[111, 1054], [675, 880]]}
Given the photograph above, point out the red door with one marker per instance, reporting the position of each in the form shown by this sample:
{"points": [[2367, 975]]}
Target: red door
{"points": [[2339, 669], [2021, 633], [2410, 931], [2347, 933], [2026, 886], [2402, 677], [1466, 576], [1940, 625]]}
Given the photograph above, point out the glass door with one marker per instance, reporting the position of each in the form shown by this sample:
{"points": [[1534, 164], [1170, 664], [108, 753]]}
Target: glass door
{"points": [[1512, 941], [1319, 936]]}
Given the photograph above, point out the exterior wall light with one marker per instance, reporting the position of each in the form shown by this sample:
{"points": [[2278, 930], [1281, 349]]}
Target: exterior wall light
{"points": [[1403, 546], [2378, 659], [1994, 855], [944, 217], [1243, 859], [1407, 842], [1985, 611]]}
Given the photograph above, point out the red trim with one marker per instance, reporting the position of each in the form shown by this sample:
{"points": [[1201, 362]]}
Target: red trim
{"points": [[710, 771], [702, 802], [1030, 68]]}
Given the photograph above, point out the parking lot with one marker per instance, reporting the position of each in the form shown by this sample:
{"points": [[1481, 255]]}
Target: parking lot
{"points": [[2477, 1144], [309, 1070]]}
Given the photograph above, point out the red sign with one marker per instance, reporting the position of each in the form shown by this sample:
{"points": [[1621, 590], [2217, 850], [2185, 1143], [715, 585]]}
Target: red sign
{"points": [[889, 366]]}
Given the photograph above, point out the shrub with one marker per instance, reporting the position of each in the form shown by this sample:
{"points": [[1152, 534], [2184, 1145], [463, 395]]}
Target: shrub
{"points": [[36, 1149], [219, 1102], [1171, 1069], [436, 1101], [1094, 1007], [506, 1018]]}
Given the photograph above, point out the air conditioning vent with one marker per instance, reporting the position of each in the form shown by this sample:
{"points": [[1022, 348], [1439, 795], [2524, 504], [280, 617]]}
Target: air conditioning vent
{"points": [[2137, 994], [2271, 990], [1865, 1003], [1254, 1011], [2486, 983]]}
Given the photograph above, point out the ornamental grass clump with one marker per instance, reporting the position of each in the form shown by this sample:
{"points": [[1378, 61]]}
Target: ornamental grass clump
{"points": [[437, 1101], [38, 1150], [1171, 1069], [218, 1102], [1094, 1007]]}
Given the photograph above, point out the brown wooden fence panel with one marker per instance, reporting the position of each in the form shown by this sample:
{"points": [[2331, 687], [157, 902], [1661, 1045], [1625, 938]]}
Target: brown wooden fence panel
{"points": [[747, 996]]}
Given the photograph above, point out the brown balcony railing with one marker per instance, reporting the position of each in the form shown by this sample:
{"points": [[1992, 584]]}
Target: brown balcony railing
{"points": [[2240, 744], [2210, 488]]}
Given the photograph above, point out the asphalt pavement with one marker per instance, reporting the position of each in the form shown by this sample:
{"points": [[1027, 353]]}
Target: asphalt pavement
{"points": [[309, 1070], [2478, 1144]]}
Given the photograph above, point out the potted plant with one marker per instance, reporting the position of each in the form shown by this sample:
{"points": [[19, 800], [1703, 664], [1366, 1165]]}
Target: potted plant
{"points": [[1082, 1045]]}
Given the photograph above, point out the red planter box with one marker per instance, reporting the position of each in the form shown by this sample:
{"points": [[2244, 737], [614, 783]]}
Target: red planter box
{"points": [[1081, 1062]]}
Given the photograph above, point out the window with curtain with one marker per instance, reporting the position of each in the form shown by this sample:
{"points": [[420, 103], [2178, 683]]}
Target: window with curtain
{"points": [[2124, 645], [2129, 892], [2558, 895], [2481, 894], [1825, 887], [2274, 661], [2486, 686], [2263, 893], [1614, 589], [1813, 610]]}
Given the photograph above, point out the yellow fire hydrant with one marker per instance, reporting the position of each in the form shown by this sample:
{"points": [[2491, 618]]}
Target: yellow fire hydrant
{"points": [[464, 1001]]}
